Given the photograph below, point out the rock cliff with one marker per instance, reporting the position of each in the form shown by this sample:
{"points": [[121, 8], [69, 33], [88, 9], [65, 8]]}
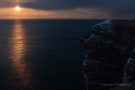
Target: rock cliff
{"points": [[110, 54]]}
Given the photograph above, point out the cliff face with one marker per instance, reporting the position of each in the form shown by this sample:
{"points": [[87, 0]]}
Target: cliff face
{"points": [[109, 46]]}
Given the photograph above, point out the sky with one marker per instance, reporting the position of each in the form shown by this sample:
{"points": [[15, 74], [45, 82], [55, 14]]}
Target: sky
{"points": [[68, 9]]}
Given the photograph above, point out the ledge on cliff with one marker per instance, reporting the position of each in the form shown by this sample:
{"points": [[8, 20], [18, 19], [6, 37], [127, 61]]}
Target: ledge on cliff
{"points": [[130, 87]]}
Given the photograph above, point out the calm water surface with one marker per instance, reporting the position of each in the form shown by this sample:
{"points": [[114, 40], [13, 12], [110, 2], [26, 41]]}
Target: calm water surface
{"points": [[42, 54]]}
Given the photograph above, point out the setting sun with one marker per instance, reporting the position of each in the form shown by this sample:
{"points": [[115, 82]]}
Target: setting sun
{"points": [[18, 8]]}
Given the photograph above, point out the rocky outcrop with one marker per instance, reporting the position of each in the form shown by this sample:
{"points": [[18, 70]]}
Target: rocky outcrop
{"points": [[109, 48], [129, 71]]}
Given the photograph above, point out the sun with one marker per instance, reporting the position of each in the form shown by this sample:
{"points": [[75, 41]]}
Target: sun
{"points": [[18, 8]]}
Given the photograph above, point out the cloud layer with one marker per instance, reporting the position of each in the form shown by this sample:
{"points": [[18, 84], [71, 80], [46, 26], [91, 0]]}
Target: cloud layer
{"points": [[117, 8], [28, 13]]}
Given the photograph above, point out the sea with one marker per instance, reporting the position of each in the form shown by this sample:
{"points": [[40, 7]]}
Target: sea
{"points": [[43, 54]]}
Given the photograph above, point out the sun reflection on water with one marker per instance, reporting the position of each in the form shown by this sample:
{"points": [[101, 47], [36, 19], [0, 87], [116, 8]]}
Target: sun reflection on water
{"points": [[20, 75]]}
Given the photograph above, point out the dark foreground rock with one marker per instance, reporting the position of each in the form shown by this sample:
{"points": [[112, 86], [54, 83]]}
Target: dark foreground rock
{"points": [[110, 57]]}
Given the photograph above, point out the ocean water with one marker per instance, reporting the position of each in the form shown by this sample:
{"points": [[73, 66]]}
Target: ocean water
{"points": [[42, 54]]}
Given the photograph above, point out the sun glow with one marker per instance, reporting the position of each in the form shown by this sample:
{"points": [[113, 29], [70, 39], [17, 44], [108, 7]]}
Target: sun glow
{"points": [[18, 8]]}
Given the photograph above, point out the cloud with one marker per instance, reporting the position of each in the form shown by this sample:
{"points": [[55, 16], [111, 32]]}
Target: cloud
{"points": [[118, 8], [28, 13]]}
